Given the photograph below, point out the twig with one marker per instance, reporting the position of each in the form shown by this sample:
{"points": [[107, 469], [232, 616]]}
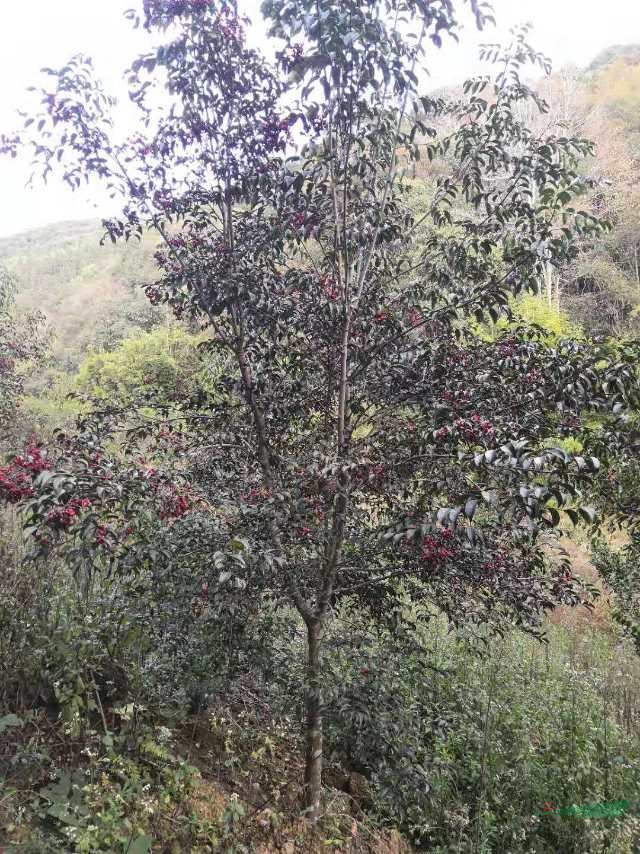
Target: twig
{"points": [[99, 702]]}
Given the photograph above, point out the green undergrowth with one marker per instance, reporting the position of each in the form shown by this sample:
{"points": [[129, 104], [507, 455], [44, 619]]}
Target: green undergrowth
{"points": [[482, 745], [226, 782], [462, 753], [125, 725]]}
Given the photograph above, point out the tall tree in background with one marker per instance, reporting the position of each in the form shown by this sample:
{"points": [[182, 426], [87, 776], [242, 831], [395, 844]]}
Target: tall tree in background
{"points": [[371, 445], [21, 343]]}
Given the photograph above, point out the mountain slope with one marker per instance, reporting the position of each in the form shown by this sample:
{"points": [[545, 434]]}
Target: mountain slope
{"points": [[90, 295]]}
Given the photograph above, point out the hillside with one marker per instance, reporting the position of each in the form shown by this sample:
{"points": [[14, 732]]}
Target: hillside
{"points": [[89, 294]]}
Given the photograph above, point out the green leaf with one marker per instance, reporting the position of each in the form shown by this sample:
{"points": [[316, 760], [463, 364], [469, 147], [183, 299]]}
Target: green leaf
{"points": [[238, 545], [9, 722], [573, 515], [588, 514], [141, 845]]}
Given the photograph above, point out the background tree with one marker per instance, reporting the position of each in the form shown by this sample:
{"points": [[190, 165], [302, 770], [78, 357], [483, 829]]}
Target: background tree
{"points": [[22, 342], [368, 445], [165, 359]]}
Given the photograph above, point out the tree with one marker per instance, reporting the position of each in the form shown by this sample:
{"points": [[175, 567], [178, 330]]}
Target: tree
{"points": [[165, 359], [21, 343], [368, 445], [619, 569]]}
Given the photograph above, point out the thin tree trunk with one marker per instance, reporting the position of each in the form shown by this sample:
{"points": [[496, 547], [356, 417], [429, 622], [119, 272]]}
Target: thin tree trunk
{"points": [[313, 723], [548, 280]]}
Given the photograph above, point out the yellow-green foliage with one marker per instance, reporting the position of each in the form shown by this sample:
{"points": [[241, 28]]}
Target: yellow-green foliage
{"points": [[166, 360], [536, 309], [533, 309], [44, 413], [617, 88]]}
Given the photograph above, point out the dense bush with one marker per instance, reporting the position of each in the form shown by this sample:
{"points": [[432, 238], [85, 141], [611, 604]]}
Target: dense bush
{"points": [[620, 568], [465, 752], [166, 360]]}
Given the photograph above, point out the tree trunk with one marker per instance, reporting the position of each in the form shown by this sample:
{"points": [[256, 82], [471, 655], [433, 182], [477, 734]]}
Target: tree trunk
{"points": [[548, 280], [313, 723]]}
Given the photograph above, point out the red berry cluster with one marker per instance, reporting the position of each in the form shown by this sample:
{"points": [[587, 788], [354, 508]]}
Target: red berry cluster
{"points": [[371, 474], [381, 317], [230, 26], [176, 503], [162, 200], [15, 485], [95, 460], [562, 583], [438, 547], [329, 287], [457, 358], [298, 220], [377, 472], [415, 317], [16, 478], [63, 517], [475, 427], [255, 494], [177, 242], [166, 438], [572, 422], [33, 459], [291, 56], [275, 133], [534, 376], [315, 503], [508, 348], [154, 294], [455, 398], [318, 121], [497, 562], [471, 430]]}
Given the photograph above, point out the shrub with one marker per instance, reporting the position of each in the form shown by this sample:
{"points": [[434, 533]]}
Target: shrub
{"points": [[463, 752]]}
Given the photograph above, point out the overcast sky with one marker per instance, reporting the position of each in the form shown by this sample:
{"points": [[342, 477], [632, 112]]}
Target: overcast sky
{"points": [[44, 33]]}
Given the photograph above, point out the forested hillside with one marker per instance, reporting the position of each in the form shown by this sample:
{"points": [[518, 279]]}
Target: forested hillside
{"points": [[319, 514], [90, 295]]}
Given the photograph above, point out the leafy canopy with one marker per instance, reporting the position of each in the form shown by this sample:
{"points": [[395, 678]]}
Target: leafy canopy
{"points": [[363, 443], [358, 403]]}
